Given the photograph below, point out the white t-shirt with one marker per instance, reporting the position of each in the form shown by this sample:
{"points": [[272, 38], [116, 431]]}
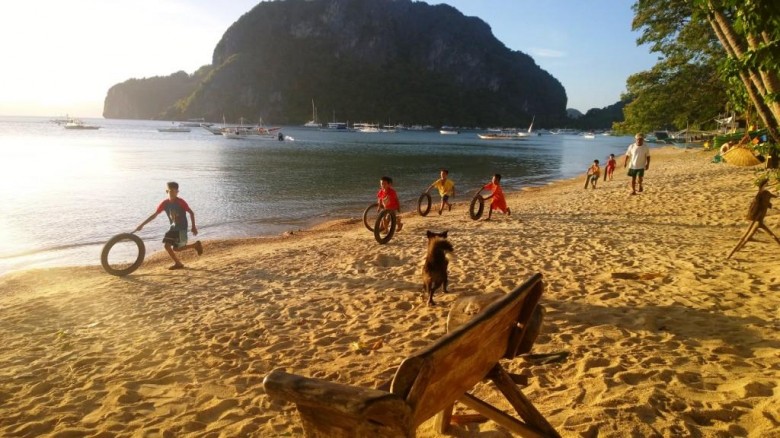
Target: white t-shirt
{"points": [[638, 155]]}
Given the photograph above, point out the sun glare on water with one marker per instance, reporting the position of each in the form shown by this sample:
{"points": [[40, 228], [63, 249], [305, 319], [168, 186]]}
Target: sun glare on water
{"points": [[35, 167]]}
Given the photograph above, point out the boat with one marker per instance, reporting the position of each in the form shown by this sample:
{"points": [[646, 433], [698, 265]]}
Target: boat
{"points": [[78, 124], [256, 131], [565, 131], [530, 128], [589, 135], [337, 125], [174, 128], [448, 130], [368, 128], [502, 135], [313, 123], [194, 123]]}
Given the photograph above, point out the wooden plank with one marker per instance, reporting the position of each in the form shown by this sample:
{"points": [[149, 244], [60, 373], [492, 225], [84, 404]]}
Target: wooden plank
{"points": [[443, 419], [500, 417], [520, 402], [337, 406]]}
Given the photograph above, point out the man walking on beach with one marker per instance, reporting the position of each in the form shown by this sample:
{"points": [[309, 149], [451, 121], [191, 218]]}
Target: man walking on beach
{"points": [[639, 154]]}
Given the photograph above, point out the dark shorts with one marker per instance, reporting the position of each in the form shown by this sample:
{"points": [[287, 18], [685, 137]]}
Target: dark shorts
{"points": [[445, 198], [176, 238], [636, 172]]}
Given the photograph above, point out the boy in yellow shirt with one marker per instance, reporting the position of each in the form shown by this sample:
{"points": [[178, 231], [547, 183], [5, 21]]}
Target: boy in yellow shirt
{"points": [[594, 171], [446, 189]]}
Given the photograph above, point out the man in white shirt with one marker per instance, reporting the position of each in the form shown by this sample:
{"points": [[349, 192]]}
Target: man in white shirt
{"points": [[639, 154]]}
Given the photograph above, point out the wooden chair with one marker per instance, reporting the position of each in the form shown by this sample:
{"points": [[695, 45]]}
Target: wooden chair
{"points": [[429, 381]]}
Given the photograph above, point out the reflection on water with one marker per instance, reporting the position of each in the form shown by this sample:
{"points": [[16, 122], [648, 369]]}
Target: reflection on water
{"points": [[64, 193]]}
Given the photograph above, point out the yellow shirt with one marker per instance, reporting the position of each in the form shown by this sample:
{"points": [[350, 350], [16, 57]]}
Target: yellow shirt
{"points": [[446, 187]]}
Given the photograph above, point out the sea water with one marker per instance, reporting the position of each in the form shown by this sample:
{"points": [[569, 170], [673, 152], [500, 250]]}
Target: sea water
{"points": [[64, 193]]}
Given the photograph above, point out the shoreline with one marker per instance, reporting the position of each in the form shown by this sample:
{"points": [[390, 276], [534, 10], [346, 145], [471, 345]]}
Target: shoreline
{"points": [[665, 336]]}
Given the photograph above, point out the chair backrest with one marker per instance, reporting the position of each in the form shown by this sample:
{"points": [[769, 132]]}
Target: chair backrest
{"points": [[432, 378]]}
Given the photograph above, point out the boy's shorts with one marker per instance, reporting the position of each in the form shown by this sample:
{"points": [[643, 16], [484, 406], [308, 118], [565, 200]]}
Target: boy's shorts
{"points": [[177, 238], [636, 172], [445, 198]]}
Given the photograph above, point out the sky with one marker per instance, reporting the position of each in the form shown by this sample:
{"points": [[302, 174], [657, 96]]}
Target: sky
{"points": [[61, 57]]}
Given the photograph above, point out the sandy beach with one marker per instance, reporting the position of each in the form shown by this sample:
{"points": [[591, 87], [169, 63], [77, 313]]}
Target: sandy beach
{"points": [[665, 336]]}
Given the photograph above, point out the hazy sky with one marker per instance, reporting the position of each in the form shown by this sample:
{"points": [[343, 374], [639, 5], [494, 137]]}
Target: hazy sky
{"points": [[62, 56]]}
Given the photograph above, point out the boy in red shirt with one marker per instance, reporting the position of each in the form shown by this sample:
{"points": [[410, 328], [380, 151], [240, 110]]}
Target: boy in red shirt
{"points": [[387, 199], [175, 239], [497, 199]]}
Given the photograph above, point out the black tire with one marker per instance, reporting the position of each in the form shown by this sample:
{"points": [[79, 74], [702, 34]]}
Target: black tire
{"points": [[110, 244], [384, 236], [476, 213], [425, 199], [369, 216]]}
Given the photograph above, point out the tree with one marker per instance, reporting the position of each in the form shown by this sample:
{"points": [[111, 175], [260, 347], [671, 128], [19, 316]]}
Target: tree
{"points": [[684, 88], [746, 34], [749, 31]]}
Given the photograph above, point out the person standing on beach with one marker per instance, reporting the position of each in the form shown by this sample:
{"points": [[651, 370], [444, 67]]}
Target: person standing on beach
{"points": [[639, 155], [446, 189], [609, 169], [387, 199], [175, 239], [497, 199]]}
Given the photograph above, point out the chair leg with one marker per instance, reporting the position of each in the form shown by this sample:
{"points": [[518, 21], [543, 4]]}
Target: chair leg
{"points": [[443, 419], [520, 402]]}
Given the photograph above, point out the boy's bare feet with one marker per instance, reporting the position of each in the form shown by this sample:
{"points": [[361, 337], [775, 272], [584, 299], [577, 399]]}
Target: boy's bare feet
{"points": [[176, 266], [199, 247]]}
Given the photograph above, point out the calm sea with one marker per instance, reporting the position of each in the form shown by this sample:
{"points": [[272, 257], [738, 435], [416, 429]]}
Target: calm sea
{"points": [[64, 193]]}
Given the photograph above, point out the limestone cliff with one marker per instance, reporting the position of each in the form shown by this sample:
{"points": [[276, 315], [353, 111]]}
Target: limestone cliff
{"points": [[386, 61]]}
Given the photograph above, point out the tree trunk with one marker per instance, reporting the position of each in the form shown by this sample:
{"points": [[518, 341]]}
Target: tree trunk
{"points": [[753, 84]]}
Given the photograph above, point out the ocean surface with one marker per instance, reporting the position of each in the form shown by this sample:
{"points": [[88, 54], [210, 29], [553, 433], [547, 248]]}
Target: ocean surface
{"points": [[64, 193]]}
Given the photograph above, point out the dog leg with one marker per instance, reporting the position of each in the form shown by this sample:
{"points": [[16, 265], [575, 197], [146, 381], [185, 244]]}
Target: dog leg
{"points": [[431, 289]]}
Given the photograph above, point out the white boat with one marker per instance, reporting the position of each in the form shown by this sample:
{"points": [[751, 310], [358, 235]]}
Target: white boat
{"points": [[78, 124], [500, 136], [174, 128], [368, 128], [589, 135], [530, 128], [194, 123], [448, 130], [313, 123]]}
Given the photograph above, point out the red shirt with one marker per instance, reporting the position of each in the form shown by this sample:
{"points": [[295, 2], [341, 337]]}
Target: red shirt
{"points": [[497, 202], [388, 198]]}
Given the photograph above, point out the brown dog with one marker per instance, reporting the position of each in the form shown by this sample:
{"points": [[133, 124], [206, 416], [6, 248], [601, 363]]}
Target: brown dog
{"points": [[434, 271]]}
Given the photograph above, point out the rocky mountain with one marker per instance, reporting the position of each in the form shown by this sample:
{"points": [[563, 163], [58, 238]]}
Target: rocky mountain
{"points": [[384, 61]]}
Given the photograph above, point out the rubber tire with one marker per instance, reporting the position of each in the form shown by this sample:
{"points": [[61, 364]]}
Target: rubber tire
{"points": [[110, 244], [424, 196], [393, 222], [366, 219], [478, 199]]}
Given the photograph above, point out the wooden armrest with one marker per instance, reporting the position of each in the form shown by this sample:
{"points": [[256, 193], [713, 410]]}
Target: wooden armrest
{"points": [[351, 401]]}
